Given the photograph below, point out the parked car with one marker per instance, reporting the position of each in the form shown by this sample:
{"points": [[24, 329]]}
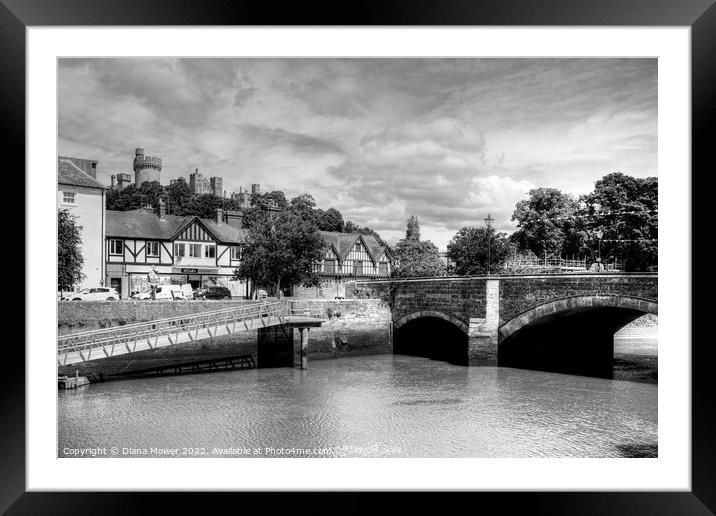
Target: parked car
{"points": [[93, 294], [261, 294], [212, 293], [163, 292]]}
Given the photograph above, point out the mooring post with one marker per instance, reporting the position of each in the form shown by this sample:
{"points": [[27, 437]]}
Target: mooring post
{"points": [[304, 347]]}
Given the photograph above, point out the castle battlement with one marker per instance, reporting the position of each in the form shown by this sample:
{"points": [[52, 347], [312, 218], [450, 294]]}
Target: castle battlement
{"points": [[147, 162]]}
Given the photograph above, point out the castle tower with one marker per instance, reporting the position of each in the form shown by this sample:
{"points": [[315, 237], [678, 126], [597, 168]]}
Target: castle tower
{"points": [[146, 168], [216, 185]]}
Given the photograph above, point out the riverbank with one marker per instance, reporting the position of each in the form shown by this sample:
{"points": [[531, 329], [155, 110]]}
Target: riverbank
{"points": [[636, 359], [352, 327]]}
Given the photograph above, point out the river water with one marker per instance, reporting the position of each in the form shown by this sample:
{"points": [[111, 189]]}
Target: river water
{"points": [[374, 406]]}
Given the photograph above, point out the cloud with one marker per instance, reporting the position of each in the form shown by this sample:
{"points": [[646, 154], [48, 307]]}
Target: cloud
{"points": [[271, 137], [449, 140], [434, 169]]}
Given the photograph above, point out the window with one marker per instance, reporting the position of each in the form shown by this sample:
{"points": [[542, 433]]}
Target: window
{"points": [[358, 267], [195, 250], [329, 266], [236, 252], [358, 247], [115, 247], [152, 249], [383, 267], [68, 197], [210, 251], [179, 251]]}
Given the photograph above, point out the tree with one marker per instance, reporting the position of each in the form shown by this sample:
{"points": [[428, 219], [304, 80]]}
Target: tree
{"points": [[546, 221], [468, 250], [151, 192], [69, 255], [203, 206], [129, 198], [132, 198], [281, 248], [413, 230], [275, 199], [304, 205], [416, 257], [329, 220], [178, 196], [625, 209]]}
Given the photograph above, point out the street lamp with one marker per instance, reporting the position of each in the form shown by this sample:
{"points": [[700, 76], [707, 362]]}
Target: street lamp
{"points": [[599, 234], [488, 221]]}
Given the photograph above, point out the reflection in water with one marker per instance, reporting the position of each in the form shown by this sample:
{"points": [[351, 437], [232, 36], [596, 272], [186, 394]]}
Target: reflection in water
{"points": [[375, 406]]}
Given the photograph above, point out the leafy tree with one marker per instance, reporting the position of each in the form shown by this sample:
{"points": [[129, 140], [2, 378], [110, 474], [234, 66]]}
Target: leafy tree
{"points": [[546, 221], [275, 199], [625, 209], [329, 220], [468, 250], [178, 196], [281, 249], [129, 198], [151, 192], [416, 257], [69, 255], [132, 198], [413, 230], [204, 206], [305, 206]]}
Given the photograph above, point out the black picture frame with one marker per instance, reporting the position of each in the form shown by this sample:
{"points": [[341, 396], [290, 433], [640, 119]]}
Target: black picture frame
{"points": [[699, 15]]}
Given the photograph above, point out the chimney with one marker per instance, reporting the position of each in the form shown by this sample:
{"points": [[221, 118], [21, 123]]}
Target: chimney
{"points": [[219, 216], [162, 210], [234, 218], [113, 178]]}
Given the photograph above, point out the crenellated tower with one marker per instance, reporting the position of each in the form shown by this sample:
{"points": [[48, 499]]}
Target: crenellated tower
{"points": [[146, 168]]}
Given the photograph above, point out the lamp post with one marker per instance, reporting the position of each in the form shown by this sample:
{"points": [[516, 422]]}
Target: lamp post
{"points": [[488, 221], [599, 234]]}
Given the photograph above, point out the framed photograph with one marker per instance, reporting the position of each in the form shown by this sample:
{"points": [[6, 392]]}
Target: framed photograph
{"points": [[407, 251]]}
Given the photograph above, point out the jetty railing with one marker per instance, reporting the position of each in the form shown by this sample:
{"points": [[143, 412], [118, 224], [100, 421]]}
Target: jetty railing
{"points": [[101, 343]]}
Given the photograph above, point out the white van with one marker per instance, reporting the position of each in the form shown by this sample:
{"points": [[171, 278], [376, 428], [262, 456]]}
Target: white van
{"points": [[173, 292]]}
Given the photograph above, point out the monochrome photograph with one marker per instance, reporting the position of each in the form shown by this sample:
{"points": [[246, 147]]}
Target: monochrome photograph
{"points": [[386, 257]]}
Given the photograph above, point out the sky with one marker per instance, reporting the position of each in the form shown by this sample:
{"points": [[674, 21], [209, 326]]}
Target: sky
{"points": [[448, 140]]}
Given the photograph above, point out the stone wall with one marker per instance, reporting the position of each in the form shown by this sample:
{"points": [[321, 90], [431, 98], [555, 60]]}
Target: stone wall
{"points": [[353, 327], [461, 298]]}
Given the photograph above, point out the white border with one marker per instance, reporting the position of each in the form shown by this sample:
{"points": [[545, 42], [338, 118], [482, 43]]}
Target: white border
{"points": [[671, 471]]}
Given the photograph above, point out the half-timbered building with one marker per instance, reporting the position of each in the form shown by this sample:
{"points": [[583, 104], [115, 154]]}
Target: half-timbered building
{"points": [[180, 249], [347, 256]]}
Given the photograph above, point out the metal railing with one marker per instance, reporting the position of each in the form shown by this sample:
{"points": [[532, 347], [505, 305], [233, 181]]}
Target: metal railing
{"points": [[105, 341]]}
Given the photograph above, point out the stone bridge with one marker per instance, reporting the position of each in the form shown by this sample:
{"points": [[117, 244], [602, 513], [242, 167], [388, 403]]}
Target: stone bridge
{"points": [[547, 320]]}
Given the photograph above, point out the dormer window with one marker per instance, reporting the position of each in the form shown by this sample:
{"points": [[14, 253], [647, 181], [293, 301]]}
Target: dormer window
{"points": [[358, 247]]}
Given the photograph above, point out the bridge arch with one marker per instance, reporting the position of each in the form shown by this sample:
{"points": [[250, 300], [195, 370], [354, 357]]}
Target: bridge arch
{"points": [[431, 313], [575, 303], [431, 334], [573, 335]]}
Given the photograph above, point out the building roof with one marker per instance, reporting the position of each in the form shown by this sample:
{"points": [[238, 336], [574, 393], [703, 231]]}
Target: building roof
{"points": [[343, 244], [142, 224], [70, 174]]}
